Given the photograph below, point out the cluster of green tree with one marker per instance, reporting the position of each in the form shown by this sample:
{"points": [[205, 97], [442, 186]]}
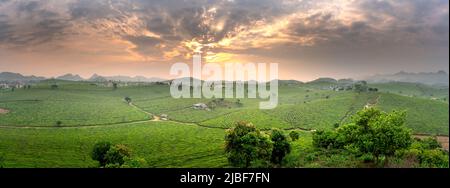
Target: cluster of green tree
{"points": [[378, 136], [362, 86], [246, 146], [115, 156]]}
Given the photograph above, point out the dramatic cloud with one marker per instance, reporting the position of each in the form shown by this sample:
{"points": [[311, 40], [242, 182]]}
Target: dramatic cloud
{"points": [[341, 34]]}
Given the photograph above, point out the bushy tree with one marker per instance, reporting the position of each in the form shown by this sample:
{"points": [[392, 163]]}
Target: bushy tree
{"points": [[377, 132], [99, 152], [281, 146], [245, 144], [112, 156], [294, 135], [117, 154], [58, 123], [325, 139], [360, 86], [370, 132]]}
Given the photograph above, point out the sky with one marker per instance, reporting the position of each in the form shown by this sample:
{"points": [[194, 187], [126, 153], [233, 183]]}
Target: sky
{"points": [[307, 38]]}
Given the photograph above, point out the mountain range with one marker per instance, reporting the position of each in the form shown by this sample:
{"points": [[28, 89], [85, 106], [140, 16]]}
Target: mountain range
{"points": [[16, 77], [440, 78]]}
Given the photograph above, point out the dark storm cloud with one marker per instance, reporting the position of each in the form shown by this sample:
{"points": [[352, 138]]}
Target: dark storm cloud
{"points": [[30, 24], [379, 24]]}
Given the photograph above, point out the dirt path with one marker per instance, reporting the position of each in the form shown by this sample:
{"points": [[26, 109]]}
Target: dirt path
{"points": [[3, 111], [372, 103], [154, 117]]}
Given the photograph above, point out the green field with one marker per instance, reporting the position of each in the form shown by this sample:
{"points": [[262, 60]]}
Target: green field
{"points": [[31, 137], [161, 144]]}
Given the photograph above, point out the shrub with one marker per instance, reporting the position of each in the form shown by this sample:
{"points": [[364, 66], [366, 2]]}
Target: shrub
{"points": [[433, 158], [99, 152], [325, 139], [117, 154], [281, 146], [294, 135], [58, 123], [430, 143], [245, 145], [134, 162]]}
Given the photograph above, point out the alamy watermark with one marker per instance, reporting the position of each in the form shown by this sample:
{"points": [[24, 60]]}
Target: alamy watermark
{"points": [[232, 80]]}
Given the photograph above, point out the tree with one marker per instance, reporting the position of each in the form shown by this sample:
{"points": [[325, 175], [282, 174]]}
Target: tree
{"points": [[114, 85], [128, 100], [245, 144], [58, 123], [294, 135], [360, 86], [99, 152], [371, 132], [376, 132], [54, 86], [117, 154], [325, 139], [281, 147]]}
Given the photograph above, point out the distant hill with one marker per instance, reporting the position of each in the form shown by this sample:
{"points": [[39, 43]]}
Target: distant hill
{"points": [[134, 79], [98, 78], [70, 77], [289, 82], [346, 81], [324, 80], [16, 77], [430, 78]]}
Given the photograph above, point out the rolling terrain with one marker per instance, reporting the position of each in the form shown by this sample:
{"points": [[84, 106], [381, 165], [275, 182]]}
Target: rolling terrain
{"points": [[57, 127]]}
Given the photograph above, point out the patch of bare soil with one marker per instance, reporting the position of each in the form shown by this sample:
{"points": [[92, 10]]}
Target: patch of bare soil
{"points": [[444, 142], [156, 118], [3, 111]]}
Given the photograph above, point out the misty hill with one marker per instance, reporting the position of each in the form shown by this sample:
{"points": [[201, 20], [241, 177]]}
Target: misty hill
{"points": [[290, 82], [430, 78], [16, 77], [70, 77], [97, 78]]}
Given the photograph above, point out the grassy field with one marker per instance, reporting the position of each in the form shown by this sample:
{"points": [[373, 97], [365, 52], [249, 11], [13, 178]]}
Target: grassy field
{"points": [[30, 137], [161, 144], [423, 116]]}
